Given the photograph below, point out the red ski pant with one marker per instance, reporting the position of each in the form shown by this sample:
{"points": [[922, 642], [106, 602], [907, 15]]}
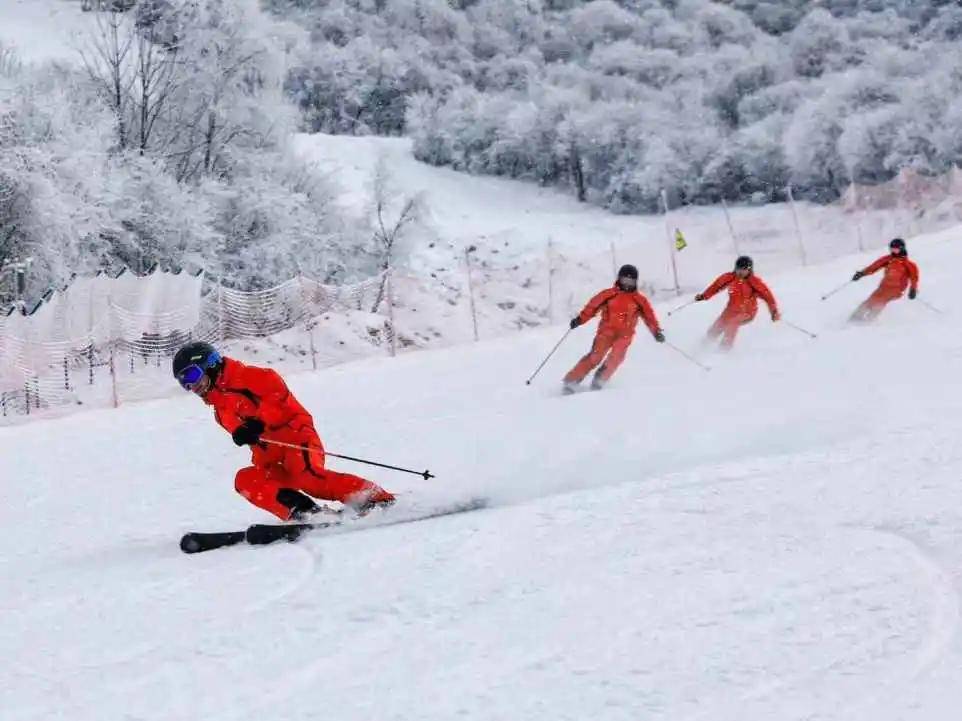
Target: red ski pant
{"points": [[302, 469], [874, 304], [612, 344], [728, 324]]}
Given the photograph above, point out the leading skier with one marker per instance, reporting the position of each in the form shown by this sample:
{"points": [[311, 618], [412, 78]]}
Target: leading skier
{"points": [[254, 405]]}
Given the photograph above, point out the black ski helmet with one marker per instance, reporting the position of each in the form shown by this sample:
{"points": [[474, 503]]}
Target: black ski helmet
{"points": [[899, 245], [744, 263], [198, 353], [628, 271]]}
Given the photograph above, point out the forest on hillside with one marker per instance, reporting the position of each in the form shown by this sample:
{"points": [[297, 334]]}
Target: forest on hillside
{"points": [[617, 99]]}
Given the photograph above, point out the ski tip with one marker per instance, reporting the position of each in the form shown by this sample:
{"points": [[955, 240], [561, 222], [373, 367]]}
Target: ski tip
{"points": [[189, 543], [195, 542]]}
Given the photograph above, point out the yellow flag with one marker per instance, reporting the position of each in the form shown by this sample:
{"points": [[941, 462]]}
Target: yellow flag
{"points": [[680, 243]]}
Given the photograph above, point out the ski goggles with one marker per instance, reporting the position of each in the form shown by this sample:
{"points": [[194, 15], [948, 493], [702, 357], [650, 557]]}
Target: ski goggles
{"points": [[192, 374]]}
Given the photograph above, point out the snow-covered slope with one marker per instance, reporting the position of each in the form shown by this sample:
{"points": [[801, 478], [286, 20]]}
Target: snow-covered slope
{"points": [[780, 538], [509, 220], [536, 252], [42, 30]]}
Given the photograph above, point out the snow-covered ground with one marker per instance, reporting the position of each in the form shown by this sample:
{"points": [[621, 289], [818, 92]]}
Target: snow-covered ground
{"points": [[780, 538], [509, 220], [42, 30]]}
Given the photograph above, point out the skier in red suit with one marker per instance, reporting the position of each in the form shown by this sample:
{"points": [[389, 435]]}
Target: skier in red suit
{"points": [[620, 306], [900, 273], [254, 405], [744, 290]]}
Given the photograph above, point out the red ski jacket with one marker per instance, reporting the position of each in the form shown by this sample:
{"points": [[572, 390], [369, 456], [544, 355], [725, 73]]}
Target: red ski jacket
{"points": [[900, 273], [620, 311], [242, 392], [743, 294]]}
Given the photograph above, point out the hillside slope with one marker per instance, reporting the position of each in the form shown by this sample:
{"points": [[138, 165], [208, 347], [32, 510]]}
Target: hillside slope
{"points": [[779, 538]]}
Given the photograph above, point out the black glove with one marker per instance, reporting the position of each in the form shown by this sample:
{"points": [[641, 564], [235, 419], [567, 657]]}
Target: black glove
{"points": [[700, 297], [858, 275], [912, 293], [575, 322], [248, 432], [659, 336]]}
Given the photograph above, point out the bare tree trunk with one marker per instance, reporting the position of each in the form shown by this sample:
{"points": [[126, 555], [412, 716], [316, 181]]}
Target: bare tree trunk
{"points": [[106, 59], [209, 139], [578, 173]]}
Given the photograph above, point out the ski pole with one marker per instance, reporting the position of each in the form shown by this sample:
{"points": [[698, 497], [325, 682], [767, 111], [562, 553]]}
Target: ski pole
{"points": [[557, 345], [686, 356], [799, 329], [681, 307], [931, 307], [837, 290], [424, 474]]}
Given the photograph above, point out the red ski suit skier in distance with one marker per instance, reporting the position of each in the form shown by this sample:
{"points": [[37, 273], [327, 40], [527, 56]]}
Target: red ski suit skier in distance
{"points": [[620, 310], [743, 294], [243, 393], [900, 273]]}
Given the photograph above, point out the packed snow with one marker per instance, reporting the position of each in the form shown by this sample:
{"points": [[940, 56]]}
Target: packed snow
{"points": [[778, 538]]}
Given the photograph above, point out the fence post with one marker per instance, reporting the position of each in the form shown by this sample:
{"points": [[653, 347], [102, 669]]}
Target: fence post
{"points": [[113, 376], [858, 232], [550, 280], [467, 266], [614, 260], [798, 227], [671, 242], [731, 228], [90, 359], [66, 374], [220, 313], [310, 336], [390, 310]]}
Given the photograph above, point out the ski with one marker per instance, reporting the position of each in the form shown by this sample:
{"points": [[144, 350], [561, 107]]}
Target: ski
{"points": [[262, 534], [200, 542]]}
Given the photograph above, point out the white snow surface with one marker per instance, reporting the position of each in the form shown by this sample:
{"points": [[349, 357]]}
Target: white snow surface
{"points": [[778, 539], [42, 30]]}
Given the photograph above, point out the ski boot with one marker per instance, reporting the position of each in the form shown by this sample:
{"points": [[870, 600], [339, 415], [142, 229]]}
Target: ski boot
{"points": [[363, 503], [597, 382], [302, 506]]}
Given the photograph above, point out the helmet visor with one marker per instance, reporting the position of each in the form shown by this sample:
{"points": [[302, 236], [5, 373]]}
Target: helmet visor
{"points": [[190, 376], [627, 281]]}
